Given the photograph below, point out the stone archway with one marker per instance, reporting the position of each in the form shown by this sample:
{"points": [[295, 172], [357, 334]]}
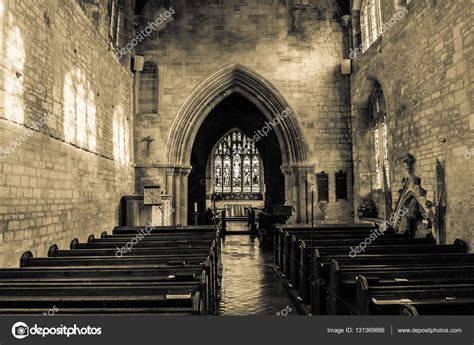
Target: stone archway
{"points": [[236, 79]]}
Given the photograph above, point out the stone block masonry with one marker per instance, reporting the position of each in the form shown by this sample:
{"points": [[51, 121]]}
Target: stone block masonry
{"points": [[424, 65], [62, 181], [301, 62]]}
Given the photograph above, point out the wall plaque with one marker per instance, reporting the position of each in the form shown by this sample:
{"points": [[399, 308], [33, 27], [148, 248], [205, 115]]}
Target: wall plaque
{"points": [[341, 185], [323, 186]]}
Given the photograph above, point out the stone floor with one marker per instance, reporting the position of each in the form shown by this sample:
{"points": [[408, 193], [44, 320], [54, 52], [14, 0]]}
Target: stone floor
{"points": [[249, 286]]}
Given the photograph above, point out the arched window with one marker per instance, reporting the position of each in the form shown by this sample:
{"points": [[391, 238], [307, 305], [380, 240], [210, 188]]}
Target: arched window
{"points": [[236, 165], [378, 121], [370, 22], [148, 90]]}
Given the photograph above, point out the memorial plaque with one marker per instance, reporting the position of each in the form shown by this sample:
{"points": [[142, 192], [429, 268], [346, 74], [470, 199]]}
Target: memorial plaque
{"points": [[341, 185], [323, 186]]}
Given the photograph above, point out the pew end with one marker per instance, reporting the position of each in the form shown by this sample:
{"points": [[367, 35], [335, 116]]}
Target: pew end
{"points": [[409, 310], [103, 234], [462, 245], [197, 305], [74, 244], [53, 250], [91, 238], [362, 287], [25, 257]]}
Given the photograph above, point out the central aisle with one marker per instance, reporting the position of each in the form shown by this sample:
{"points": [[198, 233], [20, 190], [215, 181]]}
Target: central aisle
{"points": [[249, 286]]}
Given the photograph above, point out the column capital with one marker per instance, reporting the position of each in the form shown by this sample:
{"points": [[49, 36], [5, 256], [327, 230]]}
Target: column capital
{"points": [[297, 169], [182, 170]]}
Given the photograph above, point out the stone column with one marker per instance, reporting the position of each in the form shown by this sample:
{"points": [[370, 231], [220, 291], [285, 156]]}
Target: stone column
{"points": [[304, 180], [296, 176], [177, 195], [184, 195], [288, 182]]}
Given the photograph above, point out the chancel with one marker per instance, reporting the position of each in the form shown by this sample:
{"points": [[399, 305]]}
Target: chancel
{"points": [[246, 157]]}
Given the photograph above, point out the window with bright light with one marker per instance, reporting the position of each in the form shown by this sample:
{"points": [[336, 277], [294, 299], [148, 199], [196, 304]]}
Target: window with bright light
{"points": [[379, 130], [120, 136], [14, 68], [79, 110], [371, 22], [116, 16], [237, 165]]}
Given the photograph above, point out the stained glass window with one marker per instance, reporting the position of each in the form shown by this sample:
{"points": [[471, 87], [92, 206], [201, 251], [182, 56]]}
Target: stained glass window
{"points": [[237, 165], [380, 136]]}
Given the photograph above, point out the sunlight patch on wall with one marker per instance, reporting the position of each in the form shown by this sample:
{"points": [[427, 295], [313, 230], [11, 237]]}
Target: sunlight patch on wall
{"points": [[80, 112], [14, 65], [120, 136]]}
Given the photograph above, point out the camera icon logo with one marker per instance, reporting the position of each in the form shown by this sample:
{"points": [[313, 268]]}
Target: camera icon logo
{"points": [[20, 330]]}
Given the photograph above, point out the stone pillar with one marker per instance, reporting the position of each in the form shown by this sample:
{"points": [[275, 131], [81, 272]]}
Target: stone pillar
{"points": [[288, 183], [296, 190], [304, 187], [184, 195], [177, 195]]}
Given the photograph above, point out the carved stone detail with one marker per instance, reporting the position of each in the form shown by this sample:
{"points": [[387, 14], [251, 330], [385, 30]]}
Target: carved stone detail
{"points": [[412, 196]]}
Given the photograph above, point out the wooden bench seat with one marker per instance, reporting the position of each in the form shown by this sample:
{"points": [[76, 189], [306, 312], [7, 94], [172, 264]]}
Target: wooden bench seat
{"points": [[291, 254], [321, 230], [203, 229], [168, 271], [182, 303], [320, 281], [342, 283], [425, 298], [335, 252], [134, 252]]}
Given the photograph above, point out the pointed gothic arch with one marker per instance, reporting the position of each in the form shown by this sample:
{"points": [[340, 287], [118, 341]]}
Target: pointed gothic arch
{"points": [[235, 79]]}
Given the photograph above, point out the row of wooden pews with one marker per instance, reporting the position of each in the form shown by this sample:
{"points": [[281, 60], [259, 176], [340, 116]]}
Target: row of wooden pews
{"points": [[166, 270], [394, 274]]}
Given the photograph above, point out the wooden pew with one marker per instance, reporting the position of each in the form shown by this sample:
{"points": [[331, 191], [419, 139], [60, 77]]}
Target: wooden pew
{"points": [[166, 270], [319, 281], [425, 298], [292, 247], [55, 252], [169, 295], [148, 301], [307, 253], [163, 229], [320, 229], [341, 286], [291, 254], [345, 290]]}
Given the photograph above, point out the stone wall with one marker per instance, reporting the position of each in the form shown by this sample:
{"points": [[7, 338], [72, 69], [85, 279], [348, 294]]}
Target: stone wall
{"points": [[297, 52], [424, 64], [62, 88]]}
